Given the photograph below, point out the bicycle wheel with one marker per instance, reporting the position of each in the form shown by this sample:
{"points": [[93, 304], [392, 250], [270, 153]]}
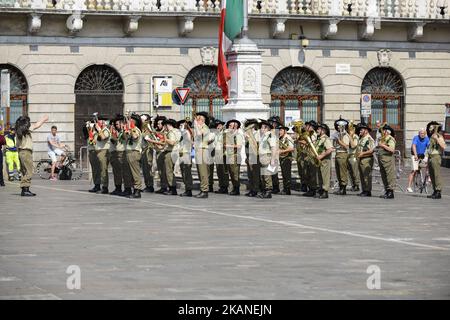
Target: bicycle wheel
{"points": [[417, 181], [44, 169], [76, 172]]}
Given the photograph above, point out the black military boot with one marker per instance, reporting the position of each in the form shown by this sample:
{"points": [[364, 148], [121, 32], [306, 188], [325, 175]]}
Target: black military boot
{"points": [[161, 191], [171, 192], [355, 188], [127, 192], [222, 190], [389, 194], [187, 193], [251, 194], [324, 195], [235, 192], [117, 191], [265, 195], [95, 189], [135, 195], [383, 196], [104, 190], [437, 195], [276, 190], [309, 193], [318, 194], [26, 192], [342, 191], [365, 194], [149, 189], [211, 189], [286, 192], [304, 188], [202, 195]]}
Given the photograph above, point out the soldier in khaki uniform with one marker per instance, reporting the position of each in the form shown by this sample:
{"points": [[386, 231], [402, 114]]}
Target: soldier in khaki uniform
{"points": [[185, 149], [386, 160], [91, 137], [352, 161], [286, 149], [119, 163], [133, 153], [171, 147], [201, 138], [24, 128], [252, 159], [324, 147], [218, 132], [341, 143], [102, 150], [159, 154], [311, 168], [234, 141], [300, 145], [267, 158], [147, 154], [364, 154], [435, 149]]}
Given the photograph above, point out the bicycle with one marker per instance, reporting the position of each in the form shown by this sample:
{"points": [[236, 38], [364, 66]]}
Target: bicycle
{"points": [[421, 178], [66, 171]]}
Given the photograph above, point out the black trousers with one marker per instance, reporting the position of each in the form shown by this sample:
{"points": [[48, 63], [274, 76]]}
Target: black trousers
{"points": [[1, 167]]}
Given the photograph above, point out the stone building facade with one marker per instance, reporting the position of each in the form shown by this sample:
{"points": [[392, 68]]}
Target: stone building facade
{"points": [[69, 58]]}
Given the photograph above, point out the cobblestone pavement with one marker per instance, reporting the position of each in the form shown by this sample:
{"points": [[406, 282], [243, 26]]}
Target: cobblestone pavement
{"points": [[168, 247]]}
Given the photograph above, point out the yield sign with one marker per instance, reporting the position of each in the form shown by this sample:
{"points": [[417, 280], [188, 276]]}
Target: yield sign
{"points": [[182, 93]]}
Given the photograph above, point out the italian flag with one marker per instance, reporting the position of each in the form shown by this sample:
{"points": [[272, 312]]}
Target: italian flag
{"points": [[231, 23]]}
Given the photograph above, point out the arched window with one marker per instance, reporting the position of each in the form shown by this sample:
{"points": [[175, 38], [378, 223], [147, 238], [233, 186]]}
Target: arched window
{"points": [[386, 88], [18, 94], [296, 92], [98, 88], [205, 94]]}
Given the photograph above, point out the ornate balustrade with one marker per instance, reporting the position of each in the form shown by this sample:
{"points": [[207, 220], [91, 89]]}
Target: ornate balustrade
{"points": [[422, 9], [369, 13]]}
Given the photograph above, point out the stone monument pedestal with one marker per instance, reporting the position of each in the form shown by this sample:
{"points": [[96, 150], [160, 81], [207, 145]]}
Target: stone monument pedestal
{"points": [[245, 99]]}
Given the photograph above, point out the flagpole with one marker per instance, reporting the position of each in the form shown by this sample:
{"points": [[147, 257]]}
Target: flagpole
{"points": [[245, 24]]}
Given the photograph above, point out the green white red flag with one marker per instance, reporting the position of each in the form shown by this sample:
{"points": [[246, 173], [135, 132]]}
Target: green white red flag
{"points": [[231, 23]]}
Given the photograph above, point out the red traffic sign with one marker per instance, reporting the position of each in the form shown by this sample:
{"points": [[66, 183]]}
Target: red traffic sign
{"points": [[182, 93]]}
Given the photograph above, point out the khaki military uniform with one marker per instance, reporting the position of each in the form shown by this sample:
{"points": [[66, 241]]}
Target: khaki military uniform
{"points": [[102, 150], [286, 161], [171, 155], [220, 160], [341, 158], [267, 142], [365, 165], [387, 165], [301, 155], [311, 168], [119, 163], [322, 144], [252, 161], [147, 160], [202, 155], [185, 159], [133, 154], [434, 164], [233, 156], [25, 147], [353, 162]]}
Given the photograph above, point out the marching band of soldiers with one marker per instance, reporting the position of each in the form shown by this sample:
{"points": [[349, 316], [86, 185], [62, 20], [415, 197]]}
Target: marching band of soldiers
{"points": [[132, 142]]}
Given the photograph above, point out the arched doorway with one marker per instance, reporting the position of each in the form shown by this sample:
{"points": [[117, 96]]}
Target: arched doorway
{"points": [[18, 95], [99, 88], [386, 88], [205, 94], [296, 92]]}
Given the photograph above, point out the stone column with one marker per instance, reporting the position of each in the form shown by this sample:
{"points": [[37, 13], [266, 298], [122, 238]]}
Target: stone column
{"points": [[245, 99]]}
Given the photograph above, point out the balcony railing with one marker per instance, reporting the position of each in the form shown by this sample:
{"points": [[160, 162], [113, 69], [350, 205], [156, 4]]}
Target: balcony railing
{"points": [[413, 9]]}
